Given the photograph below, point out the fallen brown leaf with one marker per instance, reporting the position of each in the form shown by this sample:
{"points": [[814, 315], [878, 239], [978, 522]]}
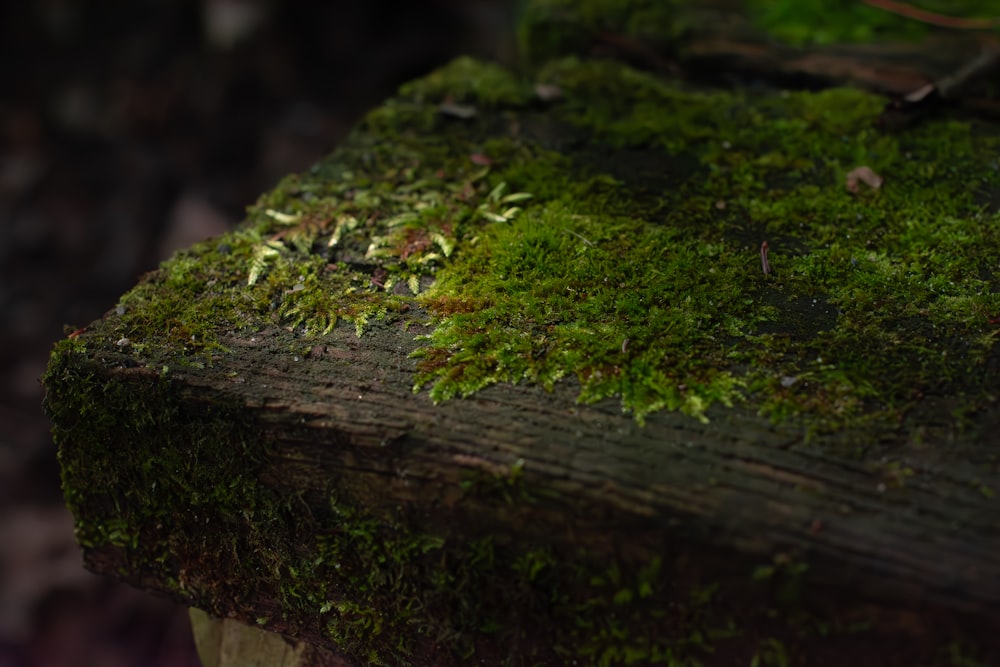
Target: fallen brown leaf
{"points": [[865, 175]]}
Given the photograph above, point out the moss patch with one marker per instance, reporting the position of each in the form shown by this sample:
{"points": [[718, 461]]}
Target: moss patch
{"points": [[837, 21], [615, 237], [173, 491], [648, 284], [552, 28]]}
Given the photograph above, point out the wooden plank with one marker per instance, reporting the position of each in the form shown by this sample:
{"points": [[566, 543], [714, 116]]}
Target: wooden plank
{"points": [[242, 431], [348, 412]]}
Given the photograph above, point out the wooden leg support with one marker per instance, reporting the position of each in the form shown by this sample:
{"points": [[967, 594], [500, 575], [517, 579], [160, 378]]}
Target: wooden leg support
{"points": [[224, 642]]}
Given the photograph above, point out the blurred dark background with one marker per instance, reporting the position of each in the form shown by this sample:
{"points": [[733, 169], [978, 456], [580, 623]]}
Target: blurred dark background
{"points": [[129, 129]]}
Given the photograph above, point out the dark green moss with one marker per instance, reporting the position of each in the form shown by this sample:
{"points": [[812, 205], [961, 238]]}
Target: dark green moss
{"points": [[135, 457], [175, 488], [615, 237], [553, 28], [836, 21], [663, 302], [140, 460], [466, 80]]}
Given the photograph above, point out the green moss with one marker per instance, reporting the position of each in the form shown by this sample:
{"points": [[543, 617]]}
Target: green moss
{"points": [[127, 476], [468, 80], [552, 28], [559, 292], [630, 260], [336, 244], [385, 589], [648, 286], [835, 21], [411, 592], [832, 21]]}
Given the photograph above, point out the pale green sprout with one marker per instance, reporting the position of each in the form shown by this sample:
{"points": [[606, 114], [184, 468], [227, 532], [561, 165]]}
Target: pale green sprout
{"points": [[263, 255], [378, 248], [345, 223], [447, 245], [283, 218], [496, 199]]}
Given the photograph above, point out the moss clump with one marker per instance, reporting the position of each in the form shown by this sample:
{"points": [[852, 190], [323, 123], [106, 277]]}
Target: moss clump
{"points": [[553, 28], [348, 242], [615, 238], [834, 21], [135, 457], [172, 491], [560, 291], [648, 284], [471, 81]]}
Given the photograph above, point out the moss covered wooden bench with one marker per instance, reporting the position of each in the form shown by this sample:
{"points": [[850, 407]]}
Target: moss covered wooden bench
{"points": [[585, 366]]}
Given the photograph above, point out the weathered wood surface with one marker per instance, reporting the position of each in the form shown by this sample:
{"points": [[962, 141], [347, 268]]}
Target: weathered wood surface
{"points": [[244, 466], [724, 497], [738, 482]]}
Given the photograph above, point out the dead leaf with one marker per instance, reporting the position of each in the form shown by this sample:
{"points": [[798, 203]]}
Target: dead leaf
{"points": [[865, 175]]}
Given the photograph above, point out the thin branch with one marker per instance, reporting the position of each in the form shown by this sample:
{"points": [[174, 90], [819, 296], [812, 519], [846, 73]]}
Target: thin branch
{"points": [[978, 69], [932, 18]]}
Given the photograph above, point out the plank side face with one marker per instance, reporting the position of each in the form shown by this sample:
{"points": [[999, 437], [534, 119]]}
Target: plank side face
{"points": [[508, 377]]}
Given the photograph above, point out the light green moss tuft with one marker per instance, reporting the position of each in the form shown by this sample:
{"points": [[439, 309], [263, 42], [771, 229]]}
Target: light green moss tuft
{"points": [[467, 80]]}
